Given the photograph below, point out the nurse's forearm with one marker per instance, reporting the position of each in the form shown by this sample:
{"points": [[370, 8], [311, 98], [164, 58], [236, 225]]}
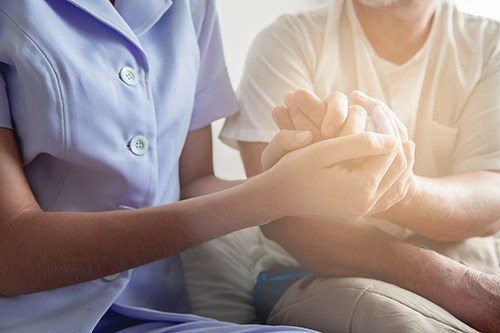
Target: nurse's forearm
{"points": [[451, 208], [207, 185], [47, 250]]}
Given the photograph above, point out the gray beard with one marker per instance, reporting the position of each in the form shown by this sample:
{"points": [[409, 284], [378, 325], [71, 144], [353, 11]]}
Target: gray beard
{"points": [[378, 3]]}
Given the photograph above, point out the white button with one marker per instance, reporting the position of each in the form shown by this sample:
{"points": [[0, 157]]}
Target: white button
{"points": [[129, 76], [138, 145], [111, 277]]}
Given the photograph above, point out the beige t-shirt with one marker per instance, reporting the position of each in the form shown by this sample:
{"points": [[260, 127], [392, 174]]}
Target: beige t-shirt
{"points": [[447, 94]]}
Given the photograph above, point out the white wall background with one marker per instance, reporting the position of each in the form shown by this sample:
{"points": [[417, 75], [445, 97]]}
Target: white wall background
{"points": [[241, 20]]}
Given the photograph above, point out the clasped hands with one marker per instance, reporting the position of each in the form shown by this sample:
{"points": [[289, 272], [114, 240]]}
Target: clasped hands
{"points": [[325, 164]]}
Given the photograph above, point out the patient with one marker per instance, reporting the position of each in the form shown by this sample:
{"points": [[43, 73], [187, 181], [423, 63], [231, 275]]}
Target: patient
{"points": [[439, 70]]}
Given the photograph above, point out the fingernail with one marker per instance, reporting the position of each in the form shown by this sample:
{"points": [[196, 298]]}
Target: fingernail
{"points": [[329, 130], [278, 116], [389, 141], [301, 136]]}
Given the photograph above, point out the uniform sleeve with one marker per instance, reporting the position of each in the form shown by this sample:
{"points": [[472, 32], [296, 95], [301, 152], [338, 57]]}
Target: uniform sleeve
{"points": [[280, 60], [5, 120], [215, 97], [478, 142]]}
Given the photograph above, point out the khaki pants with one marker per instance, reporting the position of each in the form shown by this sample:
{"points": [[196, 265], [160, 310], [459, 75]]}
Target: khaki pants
{"points": [[365, 305]]}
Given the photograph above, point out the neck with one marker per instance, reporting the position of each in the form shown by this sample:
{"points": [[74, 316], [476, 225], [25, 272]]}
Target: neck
{"points": [[398, 31]]}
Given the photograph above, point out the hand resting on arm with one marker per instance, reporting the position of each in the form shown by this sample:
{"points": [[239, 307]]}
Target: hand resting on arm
{"points": [[360, 249]]}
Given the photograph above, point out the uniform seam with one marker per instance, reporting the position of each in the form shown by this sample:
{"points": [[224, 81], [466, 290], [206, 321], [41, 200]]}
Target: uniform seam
{"points": [[38, 52]]}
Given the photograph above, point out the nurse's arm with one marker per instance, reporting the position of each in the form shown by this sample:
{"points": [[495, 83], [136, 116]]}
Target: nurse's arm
{"points": [[47, 250], [196, 172]]}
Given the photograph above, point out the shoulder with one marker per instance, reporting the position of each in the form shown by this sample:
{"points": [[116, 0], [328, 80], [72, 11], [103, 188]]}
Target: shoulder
{"points": [[299, 35], [476, 37], [308, 25]]}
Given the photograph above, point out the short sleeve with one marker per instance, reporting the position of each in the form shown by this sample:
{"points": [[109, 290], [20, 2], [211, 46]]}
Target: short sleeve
{"points": [[478, 141], [215, 97], [281, 59], [5, 119]]}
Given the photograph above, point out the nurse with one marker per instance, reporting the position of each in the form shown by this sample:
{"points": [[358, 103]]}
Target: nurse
{"points": [[105, 112]]}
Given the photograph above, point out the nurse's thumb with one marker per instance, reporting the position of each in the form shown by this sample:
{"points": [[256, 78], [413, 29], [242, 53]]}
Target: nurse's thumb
{"points": [[284, 142]]}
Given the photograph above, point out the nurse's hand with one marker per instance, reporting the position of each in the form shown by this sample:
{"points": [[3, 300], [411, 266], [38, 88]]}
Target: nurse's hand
{"points": [[315, 182], [400, 188]]}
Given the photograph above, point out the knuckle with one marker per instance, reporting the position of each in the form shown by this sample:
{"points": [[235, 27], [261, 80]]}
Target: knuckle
{"points": [[336, 96]]}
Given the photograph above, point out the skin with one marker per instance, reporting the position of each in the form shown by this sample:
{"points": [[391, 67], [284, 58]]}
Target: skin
{"points": [[46, 250], [360, 249], [468, 202], [413, 19]]}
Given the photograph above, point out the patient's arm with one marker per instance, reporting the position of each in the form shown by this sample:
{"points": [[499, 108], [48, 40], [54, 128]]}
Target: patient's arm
{"points": [[359, 249], [450, 208]]}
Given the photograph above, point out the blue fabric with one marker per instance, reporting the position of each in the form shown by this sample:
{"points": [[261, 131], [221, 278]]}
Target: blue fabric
{"points": [[272, 284], [115, 322], [74, 117]]}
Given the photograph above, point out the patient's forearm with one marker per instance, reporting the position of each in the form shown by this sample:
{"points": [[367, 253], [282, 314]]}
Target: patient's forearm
{"points": [[451, 208], [362, 250]]}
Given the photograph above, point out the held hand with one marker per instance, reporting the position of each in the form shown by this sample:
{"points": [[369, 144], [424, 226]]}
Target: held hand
{"points": [[333, 116], [315, 181], [305, 111]]}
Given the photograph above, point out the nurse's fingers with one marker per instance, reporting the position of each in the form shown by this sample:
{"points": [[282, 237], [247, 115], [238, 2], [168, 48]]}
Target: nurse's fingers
{"points": [[333, 151], [301, 121], [355, 123], [336, 113], [395, 191], [380, 165], [368, 103], [284, 142], [282, 118]]}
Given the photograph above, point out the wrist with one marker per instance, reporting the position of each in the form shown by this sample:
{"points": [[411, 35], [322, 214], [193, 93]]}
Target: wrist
{"points": [[403, 210], [267, 192]]}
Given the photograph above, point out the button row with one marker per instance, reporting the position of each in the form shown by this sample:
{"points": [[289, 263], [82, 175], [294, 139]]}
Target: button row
{"points": [[138, 145]]}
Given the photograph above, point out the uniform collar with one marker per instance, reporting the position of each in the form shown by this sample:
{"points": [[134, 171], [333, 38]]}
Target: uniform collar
{"points": [[130, 18], [142, 15]]}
